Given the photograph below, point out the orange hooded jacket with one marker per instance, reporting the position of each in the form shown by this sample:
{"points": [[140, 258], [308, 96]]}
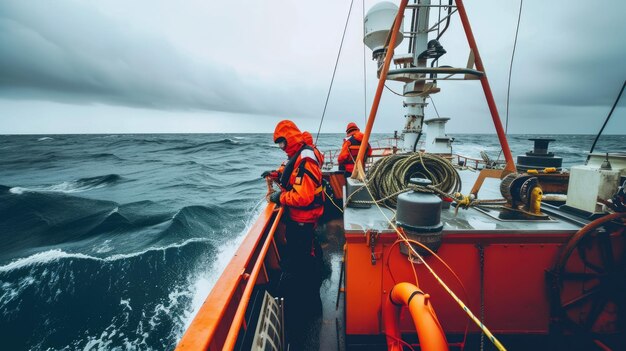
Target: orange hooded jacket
{"points": [[350, 150], [308, 139], [302, 193]]}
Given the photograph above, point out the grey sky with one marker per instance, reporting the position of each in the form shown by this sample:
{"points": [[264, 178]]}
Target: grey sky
{"points": [[115, 66]]}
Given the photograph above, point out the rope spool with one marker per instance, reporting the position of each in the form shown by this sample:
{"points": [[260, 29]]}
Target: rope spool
{"points": [[390, 175]]}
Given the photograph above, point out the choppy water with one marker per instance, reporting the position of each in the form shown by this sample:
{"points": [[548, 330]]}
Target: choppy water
{"points": [[113, 241]]}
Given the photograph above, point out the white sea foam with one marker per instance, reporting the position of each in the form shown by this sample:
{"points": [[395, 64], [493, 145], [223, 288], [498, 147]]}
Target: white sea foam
{"points": [[64, 187], [40, 258], [126, 304], [13, 290], [101, 343], [17, 190], [473, 150], [45, 138], [166, 309], [58, 254], [204, 282], [105, 247]]}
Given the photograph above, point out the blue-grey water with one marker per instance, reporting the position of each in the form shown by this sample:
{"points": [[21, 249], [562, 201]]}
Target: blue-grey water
{"points": [[113, 241]]}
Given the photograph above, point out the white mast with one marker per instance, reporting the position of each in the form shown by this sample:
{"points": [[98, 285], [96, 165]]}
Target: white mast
{"points": [[419, 79], [414, 100]]}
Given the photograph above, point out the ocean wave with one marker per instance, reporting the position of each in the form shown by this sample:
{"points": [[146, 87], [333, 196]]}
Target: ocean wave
{"points": [[105, 155], [196, 220], [191, 186], [113, 221], [17, 159], [253, 182], [192, 148], [88, 226], [45, 139], [155, 318], [190, 164], [139, 216], [13, 290], [105, 247], [205, 280], [141, 299], [74, 186], [141, 141], [54, 255]]}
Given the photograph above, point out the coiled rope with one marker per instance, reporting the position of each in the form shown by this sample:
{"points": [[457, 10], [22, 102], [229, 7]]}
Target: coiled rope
{"points": [[389, 176]]}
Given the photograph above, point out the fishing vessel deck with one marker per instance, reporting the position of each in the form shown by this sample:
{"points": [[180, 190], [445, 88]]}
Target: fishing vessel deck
{"points": [[472, 220], [513, 267]]}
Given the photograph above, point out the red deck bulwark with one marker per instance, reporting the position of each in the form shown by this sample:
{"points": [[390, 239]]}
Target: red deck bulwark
{"points": [[513, 267]]}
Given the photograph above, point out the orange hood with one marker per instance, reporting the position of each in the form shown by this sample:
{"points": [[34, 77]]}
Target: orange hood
{"points": [[351, 128], [308, 138], [358, 136], [288, 130]]}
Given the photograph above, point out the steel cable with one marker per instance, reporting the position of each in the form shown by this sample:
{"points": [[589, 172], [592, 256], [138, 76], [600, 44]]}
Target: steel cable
{"points": [[330, 88]]}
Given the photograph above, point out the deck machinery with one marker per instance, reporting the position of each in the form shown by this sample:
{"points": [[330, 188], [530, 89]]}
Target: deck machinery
{"points": [[517, 275]]}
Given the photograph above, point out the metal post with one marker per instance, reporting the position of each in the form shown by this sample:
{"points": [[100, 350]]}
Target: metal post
{"points": [[510, 165], [359, 173]]}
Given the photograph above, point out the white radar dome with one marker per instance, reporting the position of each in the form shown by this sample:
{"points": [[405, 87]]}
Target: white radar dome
{"points": [[377, 24]]}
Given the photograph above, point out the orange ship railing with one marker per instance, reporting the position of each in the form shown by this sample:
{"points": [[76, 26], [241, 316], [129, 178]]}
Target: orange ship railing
{"points": [[221, 317]]}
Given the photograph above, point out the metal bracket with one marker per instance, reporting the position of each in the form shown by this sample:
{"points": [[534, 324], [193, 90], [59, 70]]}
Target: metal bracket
{"points": [[372, 237]]}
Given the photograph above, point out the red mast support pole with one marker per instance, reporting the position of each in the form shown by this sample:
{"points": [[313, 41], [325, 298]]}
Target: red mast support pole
{"points": [[358, 164], [510, 165]]}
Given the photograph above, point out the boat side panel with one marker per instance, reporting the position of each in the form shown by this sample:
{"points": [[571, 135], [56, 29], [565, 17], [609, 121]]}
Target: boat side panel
{"points": [[210, 327], [362, 296], [515, 291], [465, 264]]}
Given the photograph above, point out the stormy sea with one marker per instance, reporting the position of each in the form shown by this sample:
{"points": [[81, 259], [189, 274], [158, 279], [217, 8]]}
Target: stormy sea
{"points": [[112, 242]]}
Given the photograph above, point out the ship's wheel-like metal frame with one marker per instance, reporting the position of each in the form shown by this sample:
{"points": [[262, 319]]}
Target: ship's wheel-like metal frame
{"points": [[588, 284]]}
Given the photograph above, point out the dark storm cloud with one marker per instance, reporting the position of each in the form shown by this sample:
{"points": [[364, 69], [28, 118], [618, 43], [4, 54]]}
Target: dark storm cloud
{"points": [[577, 58], [67, 52], [569, 61], [565, 81]]}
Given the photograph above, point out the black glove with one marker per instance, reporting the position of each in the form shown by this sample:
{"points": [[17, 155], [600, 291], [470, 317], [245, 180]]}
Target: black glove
{"points": [[275, 197], [271, 174]]}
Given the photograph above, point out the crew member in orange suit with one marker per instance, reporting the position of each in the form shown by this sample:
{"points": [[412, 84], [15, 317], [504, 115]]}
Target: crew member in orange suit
{"points": [[350, 149], [308, 140], [303, 199]]}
